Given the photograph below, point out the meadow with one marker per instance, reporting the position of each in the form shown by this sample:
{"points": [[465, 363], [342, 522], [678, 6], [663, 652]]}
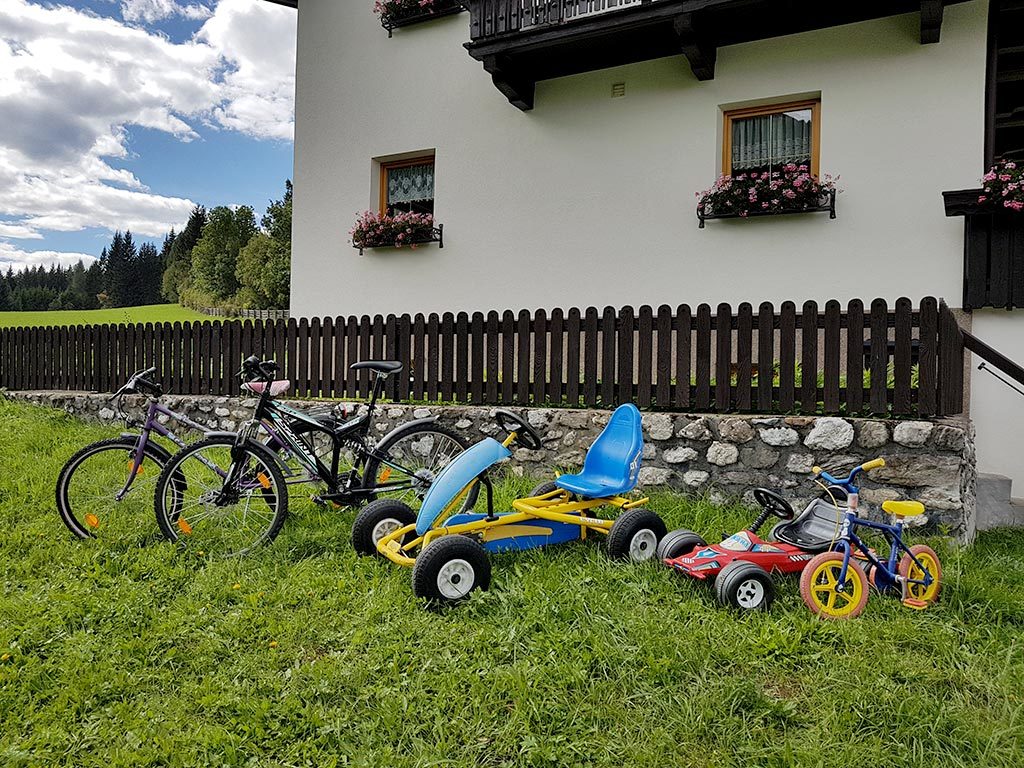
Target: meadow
{"points": [[153, 313], [304, 654]]}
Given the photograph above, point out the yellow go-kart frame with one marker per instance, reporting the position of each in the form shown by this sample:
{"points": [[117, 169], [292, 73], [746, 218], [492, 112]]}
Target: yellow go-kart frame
{"points": [[448, 547]]}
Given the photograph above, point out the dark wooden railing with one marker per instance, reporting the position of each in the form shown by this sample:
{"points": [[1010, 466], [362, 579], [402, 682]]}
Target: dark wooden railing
{"points": [[858, 360], [496, 17]]}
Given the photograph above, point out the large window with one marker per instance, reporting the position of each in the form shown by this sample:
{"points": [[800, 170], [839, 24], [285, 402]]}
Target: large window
{"points": [[407, 186], [759, 139]]}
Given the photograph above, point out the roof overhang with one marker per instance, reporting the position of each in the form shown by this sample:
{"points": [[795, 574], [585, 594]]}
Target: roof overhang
{"points": [[289, 3]]}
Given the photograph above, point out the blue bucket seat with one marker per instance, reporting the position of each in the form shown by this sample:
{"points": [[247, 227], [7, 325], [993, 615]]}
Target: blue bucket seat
{"points": [[612, 465]]}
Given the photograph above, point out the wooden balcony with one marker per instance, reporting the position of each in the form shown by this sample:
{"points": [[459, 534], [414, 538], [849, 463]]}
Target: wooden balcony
{"points": [[521, 42], [993, 252]]}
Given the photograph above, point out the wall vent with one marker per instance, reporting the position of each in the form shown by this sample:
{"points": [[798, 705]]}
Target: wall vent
{"points": [[618, 90]]}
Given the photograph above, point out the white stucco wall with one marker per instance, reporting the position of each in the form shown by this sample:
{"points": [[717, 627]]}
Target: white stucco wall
{"points": [[998, 411], [589, 200]]}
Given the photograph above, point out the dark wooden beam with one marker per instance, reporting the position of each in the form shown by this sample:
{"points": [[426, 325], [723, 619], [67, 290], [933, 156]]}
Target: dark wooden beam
{"points": [[698, 48], [931, 20], [518, 90]]}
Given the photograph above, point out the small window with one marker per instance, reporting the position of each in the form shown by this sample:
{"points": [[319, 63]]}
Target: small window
{"points": [[760, 139], [407, 186]]}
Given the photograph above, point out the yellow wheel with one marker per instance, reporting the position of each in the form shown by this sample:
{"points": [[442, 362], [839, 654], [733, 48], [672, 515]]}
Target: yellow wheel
{"points": [[819, 587], [909, 570]]}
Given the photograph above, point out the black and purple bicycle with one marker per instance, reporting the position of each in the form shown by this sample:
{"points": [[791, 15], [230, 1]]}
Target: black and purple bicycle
{"points": [[227, 493]]}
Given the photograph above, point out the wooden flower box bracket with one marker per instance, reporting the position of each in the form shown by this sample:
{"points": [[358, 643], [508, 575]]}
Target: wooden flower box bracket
{"points": [[441, 8], [436, 236], [828, 203]]}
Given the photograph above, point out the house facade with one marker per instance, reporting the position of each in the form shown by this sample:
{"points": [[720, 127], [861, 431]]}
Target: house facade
{"points": [[561, 144]]}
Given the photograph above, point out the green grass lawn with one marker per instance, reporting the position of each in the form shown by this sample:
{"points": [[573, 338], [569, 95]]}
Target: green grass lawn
{"points": [[306, 655], [154, 313]]}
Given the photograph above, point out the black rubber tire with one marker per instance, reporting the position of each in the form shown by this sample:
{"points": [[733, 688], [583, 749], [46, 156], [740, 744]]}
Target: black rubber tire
{"points": [[372, 515], [541, 488], [678, 543], [373, 464], [442, 552], [171, 474], [733, 587], [627, 527], [153, 451]]}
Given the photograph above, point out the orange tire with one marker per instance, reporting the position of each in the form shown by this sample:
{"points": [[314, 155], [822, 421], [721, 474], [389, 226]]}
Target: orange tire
{"points": [[908, 570], [818, 583]]}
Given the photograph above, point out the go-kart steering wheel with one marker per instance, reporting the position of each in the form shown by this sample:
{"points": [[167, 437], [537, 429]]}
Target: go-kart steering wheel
{"points": [[772, 502], [525, 434]]}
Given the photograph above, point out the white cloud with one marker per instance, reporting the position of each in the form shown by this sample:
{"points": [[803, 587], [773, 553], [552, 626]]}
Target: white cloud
{"points": [[10, 256], [157, 10], [72, 81]]}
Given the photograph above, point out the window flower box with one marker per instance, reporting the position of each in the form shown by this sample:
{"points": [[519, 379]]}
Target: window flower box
{"points": [[402, 230], [792, 189], [401, 13]]}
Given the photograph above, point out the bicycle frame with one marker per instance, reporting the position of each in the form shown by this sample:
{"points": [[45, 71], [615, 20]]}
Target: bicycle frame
{"points": [[277, 419], [150, 425], [848, 540]]}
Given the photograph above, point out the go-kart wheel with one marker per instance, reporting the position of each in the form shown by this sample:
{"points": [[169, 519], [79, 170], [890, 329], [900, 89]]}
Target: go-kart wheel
{"points": [[678, 543], [544, 488], [909, 570], [449, 569], [634, 536], [818, 587], [772, 502], [376, 520], [745, 585], [526, 435]]}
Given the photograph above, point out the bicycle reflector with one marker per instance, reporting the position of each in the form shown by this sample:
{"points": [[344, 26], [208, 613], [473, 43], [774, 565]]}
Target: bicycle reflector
{"points": [[184, 527], [264, 480], [92, 521]]}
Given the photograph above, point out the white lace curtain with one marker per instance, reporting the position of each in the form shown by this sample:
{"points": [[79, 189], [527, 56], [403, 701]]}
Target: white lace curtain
{"points": [[769, 140], [411, 184]]}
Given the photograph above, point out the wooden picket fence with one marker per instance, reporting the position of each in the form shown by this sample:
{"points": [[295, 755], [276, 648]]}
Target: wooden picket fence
{"points": [[877, 360]]}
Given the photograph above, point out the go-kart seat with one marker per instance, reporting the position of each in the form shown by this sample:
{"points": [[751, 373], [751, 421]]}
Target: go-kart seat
{"points": [[613, 461], [813, 530]]}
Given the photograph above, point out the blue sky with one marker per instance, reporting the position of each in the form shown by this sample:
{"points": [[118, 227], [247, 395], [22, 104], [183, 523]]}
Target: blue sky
{"points": [[123, 114]]}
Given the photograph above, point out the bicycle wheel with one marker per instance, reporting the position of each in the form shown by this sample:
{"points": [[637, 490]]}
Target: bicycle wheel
{"points": [[411, 460], [197, 504], [97, 497]]}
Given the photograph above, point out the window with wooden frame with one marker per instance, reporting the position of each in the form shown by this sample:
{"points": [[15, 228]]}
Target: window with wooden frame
{"points": [[759, 139], [407, 186]]}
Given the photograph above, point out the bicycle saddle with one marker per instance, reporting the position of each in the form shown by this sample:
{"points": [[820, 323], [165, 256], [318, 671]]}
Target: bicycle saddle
{"points": [[903, 508], [380, 366], [276, 387]]}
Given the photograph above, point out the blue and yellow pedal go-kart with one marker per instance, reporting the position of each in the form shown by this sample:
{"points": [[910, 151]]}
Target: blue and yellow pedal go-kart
{"points": [[449, 548]]}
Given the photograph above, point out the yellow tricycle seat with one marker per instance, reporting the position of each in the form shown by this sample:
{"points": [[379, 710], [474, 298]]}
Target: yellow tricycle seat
{"points": [[903, 508]]}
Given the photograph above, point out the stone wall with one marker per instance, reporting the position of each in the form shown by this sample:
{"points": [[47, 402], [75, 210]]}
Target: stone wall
{"points": [[722, 456]]}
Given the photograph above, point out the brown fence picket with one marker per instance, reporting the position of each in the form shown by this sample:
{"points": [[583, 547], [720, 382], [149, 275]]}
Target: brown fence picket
{"points": [[833, 340], [684, 330], [928, 358], [556, 329], [855, 357], [744, 357], [523, 358], [419, 353], [902, 359], [765, 357], [787, 356], [608, 357], [723, 358], [879, 357], [590, 355], [476, 356], [493, 369], [624, 356], [447, 356], [663, 374], [644, 356], [540, 357], [809, 358], [703, 358], [461, 378], [508, 357]]}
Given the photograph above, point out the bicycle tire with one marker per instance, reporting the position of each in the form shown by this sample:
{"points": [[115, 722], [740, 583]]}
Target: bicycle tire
{"points": [[169, 513], [413, 496], [80, 528]]}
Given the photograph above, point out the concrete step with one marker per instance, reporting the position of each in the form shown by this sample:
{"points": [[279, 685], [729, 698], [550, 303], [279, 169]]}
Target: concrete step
{"points": [[996, 506]]}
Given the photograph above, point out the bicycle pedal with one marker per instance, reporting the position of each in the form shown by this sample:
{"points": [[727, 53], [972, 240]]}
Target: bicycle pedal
{"points": [[917, 605], [318, 500]]}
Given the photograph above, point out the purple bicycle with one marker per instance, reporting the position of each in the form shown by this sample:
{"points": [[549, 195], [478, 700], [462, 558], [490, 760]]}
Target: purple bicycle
{"points": [[106, 489]]}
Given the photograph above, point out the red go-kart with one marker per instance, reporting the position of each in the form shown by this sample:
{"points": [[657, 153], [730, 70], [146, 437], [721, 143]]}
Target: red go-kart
{"points": [[741, 567]]}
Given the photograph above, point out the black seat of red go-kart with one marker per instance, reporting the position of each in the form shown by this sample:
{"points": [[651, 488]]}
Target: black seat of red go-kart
{"points": [[815, 529]]}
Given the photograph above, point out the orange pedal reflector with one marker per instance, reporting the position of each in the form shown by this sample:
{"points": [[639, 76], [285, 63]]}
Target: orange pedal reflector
{"points": [[184, 527], [264, 480], [917, 605], [92, 521], [385, 474]]}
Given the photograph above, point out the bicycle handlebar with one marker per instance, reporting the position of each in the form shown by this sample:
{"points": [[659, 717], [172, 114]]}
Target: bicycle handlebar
{"points": [[848, 481], [139, 382], [254, 368]]}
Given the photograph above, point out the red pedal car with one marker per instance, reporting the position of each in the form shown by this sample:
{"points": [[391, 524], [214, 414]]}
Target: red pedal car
{"points": [[742, 565]]}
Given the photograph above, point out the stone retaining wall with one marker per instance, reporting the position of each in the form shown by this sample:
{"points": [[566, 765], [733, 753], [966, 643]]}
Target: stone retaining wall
{"points": [[723, 456]]}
